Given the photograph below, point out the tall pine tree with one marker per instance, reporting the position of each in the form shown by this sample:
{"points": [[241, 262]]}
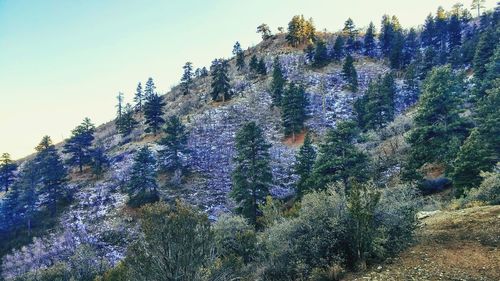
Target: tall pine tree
{"points": [[240, 56], [349, 73], [153, 113], [7, 170], [187, 78], [304, 165], [252, 175], [369, 41], [293, 110], [278, 83], [79, 145], [221, 90], [142, 186], [174, 144]]}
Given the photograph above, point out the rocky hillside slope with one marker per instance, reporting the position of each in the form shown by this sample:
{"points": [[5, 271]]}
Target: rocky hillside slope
{"points": [[98, 214]]}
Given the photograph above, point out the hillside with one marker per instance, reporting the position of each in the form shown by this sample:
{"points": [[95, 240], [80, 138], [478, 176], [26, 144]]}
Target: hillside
{"points": [[390, 134], [452, 245]]}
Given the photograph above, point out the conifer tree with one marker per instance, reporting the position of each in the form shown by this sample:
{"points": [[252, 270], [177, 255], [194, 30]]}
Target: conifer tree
{"points": [[240, 56], [441, 28], [454, 32], [99, 161], [338, 158], [429, 32], [369, 41], [254, 63], [174, 143], [300, 31], [349, 31], [79, 145], [53, 174], [349, 73], [221, 90], [293, 110], [439, 129], [28, 183], [309, 51], [119, 106], [126, 123], [278, 83], [396, 53], [142, 186], [149, 89], [187, 78], [481, 149], [429, 61], [386, 35], [338, 49], [478, 5], [261, 68], [265, 31], [304, 165], [7, 170], [139, 97], [252, 175], [153, 113], [320, 54], [484, 51], [411, 47]]}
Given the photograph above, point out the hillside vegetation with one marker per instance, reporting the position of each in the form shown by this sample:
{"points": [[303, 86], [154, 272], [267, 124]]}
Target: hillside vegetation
{"points": [[310, 156]]}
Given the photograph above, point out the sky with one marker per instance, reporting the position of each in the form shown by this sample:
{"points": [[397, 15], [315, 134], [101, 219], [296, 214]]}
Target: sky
{"points": [[62, 61]]}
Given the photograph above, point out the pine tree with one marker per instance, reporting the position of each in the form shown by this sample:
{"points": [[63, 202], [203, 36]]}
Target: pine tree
{"points": [[320, 54], [278, 83], [293, 110], [142, 186], [378, 106], [439, 129], [240, 56], [481, 149], [478, 5], [174, 143], [139, 98], [309, 52], [304, 165], [99, 161], [429, 32], [119, 106], [396, 53], [265, 31], [53, 174], [484, 51], [254, 63], [386, 35], [149, 89], [126, 123], [78, 146], [410, 48], [338, 49], [338, 158], [252, 175], [349, 73], [29, 180], [429, 61], [491, 76], [349, 31], [261, 68], [441, 28], [220, 81], [7, 170], [187, 78], [300, 31], [369, 41], [454, 32], [153, 112]]}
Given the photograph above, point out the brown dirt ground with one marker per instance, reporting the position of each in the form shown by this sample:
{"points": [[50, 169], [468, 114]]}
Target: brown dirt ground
{"points": [[451, 245]]}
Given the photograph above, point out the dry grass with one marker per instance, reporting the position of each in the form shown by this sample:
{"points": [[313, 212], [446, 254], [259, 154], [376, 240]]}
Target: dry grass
{"points": [[452, 245]]}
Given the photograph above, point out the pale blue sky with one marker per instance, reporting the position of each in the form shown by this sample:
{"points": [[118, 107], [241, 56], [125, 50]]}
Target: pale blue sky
{"points": [[61, 61]]}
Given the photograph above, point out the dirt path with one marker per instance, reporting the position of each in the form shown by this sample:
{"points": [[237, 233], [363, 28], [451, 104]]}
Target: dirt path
{"points": [[455, 245]]}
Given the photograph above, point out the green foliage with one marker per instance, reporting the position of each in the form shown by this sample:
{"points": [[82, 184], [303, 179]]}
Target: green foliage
{"points": [[320, 54], [252, 176], [439, 129], [220, 80], [142, 187], [139, 97], [78, 146], [349, 73], [489, 189], [7, 169], [234, 237], [99, 161], [177, 244], [174, 143], [265, 31], [338, 48], [300, 31], [240, 56], [153, 113], [53, 174], [484, 50], [304, 165], [350, 32], [376, 108], [369, 40], [339, 158], [278, 83], [481, 150], [126, 123], [187, 78], [293, 110], [117, 273]]}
